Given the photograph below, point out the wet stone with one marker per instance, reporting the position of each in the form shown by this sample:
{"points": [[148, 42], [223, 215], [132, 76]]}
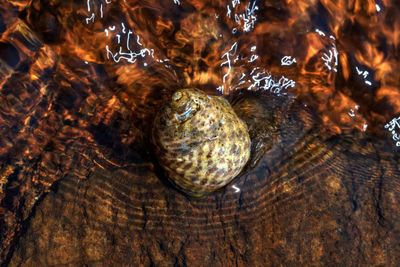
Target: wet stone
{"points": [[9, 54], [79, 185]]}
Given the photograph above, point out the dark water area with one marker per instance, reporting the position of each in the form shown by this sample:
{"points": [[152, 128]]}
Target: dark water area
{"points": [[317, 83]]}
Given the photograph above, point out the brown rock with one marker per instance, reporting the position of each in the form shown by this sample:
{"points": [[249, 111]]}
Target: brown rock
{"points": [[317, 202]]}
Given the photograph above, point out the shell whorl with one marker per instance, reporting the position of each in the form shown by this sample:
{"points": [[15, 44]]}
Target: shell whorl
{"points": [[199, 141]]}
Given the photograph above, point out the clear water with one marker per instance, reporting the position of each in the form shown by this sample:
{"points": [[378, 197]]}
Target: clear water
{"points": [[82, 80]]}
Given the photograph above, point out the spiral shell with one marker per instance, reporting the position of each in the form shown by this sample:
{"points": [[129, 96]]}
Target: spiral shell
{"points": [[199, 141]]}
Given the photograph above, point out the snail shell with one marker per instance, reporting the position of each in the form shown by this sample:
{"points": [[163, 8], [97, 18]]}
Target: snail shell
{"points": [[200, 141]]}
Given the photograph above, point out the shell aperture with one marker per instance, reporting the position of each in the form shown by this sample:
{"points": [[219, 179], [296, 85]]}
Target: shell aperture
{"points": [[199, 141]]}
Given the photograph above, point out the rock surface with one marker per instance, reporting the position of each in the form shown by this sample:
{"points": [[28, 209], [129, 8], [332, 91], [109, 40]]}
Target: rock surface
{"points": [[78, 184], [331, 202]]}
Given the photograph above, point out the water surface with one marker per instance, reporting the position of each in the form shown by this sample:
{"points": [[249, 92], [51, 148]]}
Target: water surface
{"points": [[82, 80]]}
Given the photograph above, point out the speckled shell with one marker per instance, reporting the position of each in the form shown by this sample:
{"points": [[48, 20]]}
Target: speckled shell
{"points": [[199, 141]]}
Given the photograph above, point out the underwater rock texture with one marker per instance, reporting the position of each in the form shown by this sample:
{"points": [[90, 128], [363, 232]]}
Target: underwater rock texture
{"points": [[79, 186], [316, 202]]}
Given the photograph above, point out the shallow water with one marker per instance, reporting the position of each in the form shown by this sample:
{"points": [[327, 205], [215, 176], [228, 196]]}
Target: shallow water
{"points": [[82, 80]]}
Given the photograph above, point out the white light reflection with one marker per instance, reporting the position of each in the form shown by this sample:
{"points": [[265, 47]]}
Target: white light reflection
{"points": [[320, 32], [394, 128], [237, 19], [91, 18], [287, 61], [364, 74], [249, 17], [228, 12], [246, 20], [331, 60], [235, 2], [137, 40], [258, 79], [378, 8], [237, 189], [123, 27], [228, 55], [119, 33], [257, 68], [128, 55], [253, 58], [101, 9]]}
